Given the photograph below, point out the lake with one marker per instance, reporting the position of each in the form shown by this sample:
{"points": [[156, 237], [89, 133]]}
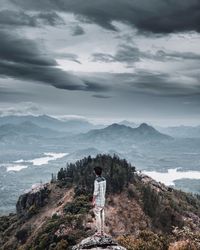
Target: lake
{"points": [[171, 175], [22, 164], [20, 175]]}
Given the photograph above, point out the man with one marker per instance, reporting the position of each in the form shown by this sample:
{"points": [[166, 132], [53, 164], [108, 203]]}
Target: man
{"points": [[99, 200]]}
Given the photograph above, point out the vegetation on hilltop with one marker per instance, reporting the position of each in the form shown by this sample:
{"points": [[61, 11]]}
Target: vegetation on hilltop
{"points": [[118, 172], [164, 208]]}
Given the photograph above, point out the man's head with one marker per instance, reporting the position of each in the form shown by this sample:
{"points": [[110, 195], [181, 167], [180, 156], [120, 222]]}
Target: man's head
{"points": [[98, 170]]}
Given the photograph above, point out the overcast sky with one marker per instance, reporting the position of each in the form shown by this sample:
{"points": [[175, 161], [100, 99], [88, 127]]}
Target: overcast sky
{"points": [[101, 60]]}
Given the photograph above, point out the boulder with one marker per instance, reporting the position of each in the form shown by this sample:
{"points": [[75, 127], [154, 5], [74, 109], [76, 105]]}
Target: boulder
{"points": [[98, 243]]}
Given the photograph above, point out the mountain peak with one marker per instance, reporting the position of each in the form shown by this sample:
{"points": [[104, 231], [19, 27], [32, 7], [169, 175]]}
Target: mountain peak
{"points": [[119, 132], [128, 123], [150, 132], [118, 128], [115, 125], [145, 126]]}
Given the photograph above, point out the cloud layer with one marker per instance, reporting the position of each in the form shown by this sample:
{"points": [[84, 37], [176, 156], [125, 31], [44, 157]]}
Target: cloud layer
{"points": [[23, 59], [153, 16], [21, 18], [108, 58]]}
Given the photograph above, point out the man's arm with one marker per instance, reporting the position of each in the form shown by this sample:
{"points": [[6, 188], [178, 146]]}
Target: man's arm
{"points": [[94, 200], [96, 191]]}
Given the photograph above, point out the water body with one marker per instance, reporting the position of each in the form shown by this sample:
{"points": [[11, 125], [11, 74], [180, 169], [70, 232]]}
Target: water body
{"points": [[171, 175], [22, 164], [48, 157], [15, 167], [19, 176]]}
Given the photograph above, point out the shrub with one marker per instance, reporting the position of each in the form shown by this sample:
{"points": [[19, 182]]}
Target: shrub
{"points": [[43, 241], [62, 245], [182, 245], [22, 235], [80, 205], [32, 210], [187, 235], [146, 240], [152, 241], [150, 200], [127, 241]]}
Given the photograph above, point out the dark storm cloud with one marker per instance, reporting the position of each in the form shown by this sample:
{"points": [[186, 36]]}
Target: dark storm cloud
{"points": [[103, 57], [101, 96], [130, 54], [93, 85], [161, 84], [22, 58], [20, 18], [125, 54], [157, 16], [23, 51], [16, 18], [50, 18], [164, 55], [151, 83], [43, 74], [67, 56], [77, 30]]}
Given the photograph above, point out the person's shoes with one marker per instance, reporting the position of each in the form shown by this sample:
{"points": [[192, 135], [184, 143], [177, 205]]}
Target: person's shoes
{"points": [[104, 234], [97, 234]]}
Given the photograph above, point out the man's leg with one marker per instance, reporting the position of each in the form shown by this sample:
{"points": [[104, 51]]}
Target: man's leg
{"points": [[102, 220], [97, 212]]}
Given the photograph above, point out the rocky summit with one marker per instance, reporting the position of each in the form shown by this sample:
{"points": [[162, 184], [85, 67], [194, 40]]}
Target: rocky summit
{"points": [[93, 242]]}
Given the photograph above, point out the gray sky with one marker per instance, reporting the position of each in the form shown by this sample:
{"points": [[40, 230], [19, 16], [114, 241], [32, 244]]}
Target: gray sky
{"points": [[101, 60]]}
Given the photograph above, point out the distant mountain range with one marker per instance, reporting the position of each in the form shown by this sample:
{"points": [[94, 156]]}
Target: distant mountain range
{"points": [[32, 130], [116, 132], [76, 126], [181, 131], [26, 128], [49, 133], [44, 121]]}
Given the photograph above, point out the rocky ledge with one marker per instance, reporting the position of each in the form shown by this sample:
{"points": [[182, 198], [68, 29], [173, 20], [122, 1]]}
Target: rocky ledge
{"points": [[29, 203], [98, 243]]}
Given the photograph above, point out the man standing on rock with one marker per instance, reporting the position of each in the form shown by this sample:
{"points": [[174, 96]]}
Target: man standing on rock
{"points": [[99, 200]]}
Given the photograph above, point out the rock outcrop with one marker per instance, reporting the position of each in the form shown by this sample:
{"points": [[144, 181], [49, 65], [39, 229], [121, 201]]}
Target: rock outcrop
{"points": [[98, 243], [28, 203]]}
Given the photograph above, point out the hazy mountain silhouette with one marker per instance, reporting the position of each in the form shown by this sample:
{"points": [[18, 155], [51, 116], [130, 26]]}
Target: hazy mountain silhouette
{"points": [[117, 132], [45, 121], [27, 128], [128, 123], [182, 131]]}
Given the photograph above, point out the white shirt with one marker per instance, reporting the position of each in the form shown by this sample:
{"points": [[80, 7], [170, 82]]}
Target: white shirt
{"points": [[99, 191]]}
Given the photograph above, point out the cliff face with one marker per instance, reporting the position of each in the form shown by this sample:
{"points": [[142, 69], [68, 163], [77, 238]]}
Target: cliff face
{"points": [[140, 212], [29, 203]]}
